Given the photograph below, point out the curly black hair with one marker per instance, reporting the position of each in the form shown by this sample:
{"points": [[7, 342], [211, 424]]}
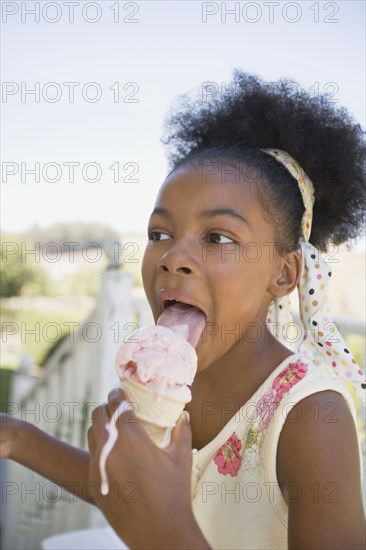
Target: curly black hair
{"points": [[325, 140]]}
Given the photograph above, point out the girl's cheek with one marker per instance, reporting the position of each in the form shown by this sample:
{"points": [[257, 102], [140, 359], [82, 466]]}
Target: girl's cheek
{"points": [[146, 275], [146, 263]]}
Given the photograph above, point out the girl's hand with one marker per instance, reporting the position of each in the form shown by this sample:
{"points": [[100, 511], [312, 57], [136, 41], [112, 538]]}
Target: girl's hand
{"points": [[53, 459], [149, 501], [9, 429]]}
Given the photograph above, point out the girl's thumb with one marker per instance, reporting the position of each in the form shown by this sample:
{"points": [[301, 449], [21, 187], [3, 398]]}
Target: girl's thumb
{"points": [[182, 433]]}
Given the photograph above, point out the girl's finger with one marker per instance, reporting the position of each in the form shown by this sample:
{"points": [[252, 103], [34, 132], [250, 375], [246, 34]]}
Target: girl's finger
{"points": [[116, 413], [116, 394], [91, 440], [181, 439], [115, 397], [115, 417], [97, 433], [100, 415], [119, 408]]}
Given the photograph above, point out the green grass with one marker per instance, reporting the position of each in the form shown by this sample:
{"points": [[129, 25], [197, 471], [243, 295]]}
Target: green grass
{"points": [[5, 385], [49, 325]]}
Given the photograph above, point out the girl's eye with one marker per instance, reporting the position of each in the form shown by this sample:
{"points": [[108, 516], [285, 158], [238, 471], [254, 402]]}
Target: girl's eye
{"points": [[158, 236], [219, 239]]}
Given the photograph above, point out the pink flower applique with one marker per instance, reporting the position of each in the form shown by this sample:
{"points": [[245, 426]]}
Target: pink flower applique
{"points": [[290, 376], [266, 407], [228, 457], [271, 399]]}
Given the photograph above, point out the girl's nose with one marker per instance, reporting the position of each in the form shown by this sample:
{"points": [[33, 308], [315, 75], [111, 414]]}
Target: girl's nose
{"points": [[176, 260]]}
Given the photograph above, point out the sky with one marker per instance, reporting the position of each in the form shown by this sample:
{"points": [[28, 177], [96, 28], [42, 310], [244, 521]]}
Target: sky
{"points": [[104, 75]]}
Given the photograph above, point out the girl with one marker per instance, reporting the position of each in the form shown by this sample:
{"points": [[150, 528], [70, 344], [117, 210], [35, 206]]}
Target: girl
{"points": [[267, 454]]}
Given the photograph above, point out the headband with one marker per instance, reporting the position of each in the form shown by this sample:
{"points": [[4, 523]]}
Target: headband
{"points": [[317, 335]]}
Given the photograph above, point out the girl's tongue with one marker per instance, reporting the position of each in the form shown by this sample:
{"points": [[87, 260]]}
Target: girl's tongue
{"points": [[178, 315]]}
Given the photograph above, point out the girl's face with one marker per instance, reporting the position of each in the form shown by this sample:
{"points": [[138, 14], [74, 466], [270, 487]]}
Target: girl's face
{"points": [[210, 246]]}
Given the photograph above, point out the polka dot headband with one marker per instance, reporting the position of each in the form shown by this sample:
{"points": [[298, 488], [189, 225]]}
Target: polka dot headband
{"points": [[305, 185], [317, 335]]}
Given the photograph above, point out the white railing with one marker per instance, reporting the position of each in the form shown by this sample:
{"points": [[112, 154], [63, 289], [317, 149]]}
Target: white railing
{"points": [[78, 375]]}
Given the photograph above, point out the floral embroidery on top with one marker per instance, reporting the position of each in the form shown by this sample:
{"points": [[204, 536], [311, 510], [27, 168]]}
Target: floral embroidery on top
{"points": [[228, 458], [271, 399], [266, 407], [290, 376]]}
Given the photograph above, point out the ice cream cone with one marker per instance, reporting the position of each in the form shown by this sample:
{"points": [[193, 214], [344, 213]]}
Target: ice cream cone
{"points": [[159, 435], [157, 413]]}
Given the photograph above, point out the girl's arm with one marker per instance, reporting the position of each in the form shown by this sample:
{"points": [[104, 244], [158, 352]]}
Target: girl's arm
{"points": [[59, 462], [318, 459]]}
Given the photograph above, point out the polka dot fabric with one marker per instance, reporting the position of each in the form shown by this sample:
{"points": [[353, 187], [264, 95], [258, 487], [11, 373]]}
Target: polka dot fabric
{"points": [[305, 185], [318, 336]]}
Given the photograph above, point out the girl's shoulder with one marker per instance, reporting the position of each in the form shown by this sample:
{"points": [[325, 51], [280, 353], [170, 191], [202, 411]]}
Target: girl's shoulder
{"points": [[316, 455], [298, 386], [307, 440], [299, 377], [302, 398]]}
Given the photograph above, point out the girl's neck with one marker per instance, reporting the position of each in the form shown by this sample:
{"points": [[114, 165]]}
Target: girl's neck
{"points": [[228, 384], [243, 365]]}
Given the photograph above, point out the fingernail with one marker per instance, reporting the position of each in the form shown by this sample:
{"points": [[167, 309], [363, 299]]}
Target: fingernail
{"points": [[187, 416]]}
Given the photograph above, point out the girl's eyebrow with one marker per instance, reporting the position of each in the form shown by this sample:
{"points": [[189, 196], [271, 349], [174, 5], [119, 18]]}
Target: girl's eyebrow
{"points": [[223, 212], [161, 211], [211, 213]]}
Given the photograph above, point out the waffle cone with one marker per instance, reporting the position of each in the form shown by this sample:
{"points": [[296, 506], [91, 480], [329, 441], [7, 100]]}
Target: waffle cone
{"points": [[157, 413], [159, 435]]}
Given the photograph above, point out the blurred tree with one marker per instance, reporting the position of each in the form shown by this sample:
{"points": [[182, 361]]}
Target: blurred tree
{"points": [[79, 232], [85, 282], [20, 275]]}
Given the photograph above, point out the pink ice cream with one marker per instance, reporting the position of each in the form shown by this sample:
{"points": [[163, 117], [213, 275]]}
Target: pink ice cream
{"points": [[161, 359], [157, 365]]}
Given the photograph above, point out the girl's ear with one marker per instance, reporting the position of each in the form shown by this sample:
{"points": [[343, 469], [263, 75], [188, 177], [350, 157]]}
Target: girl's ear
{"points": [[286, 276]]}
